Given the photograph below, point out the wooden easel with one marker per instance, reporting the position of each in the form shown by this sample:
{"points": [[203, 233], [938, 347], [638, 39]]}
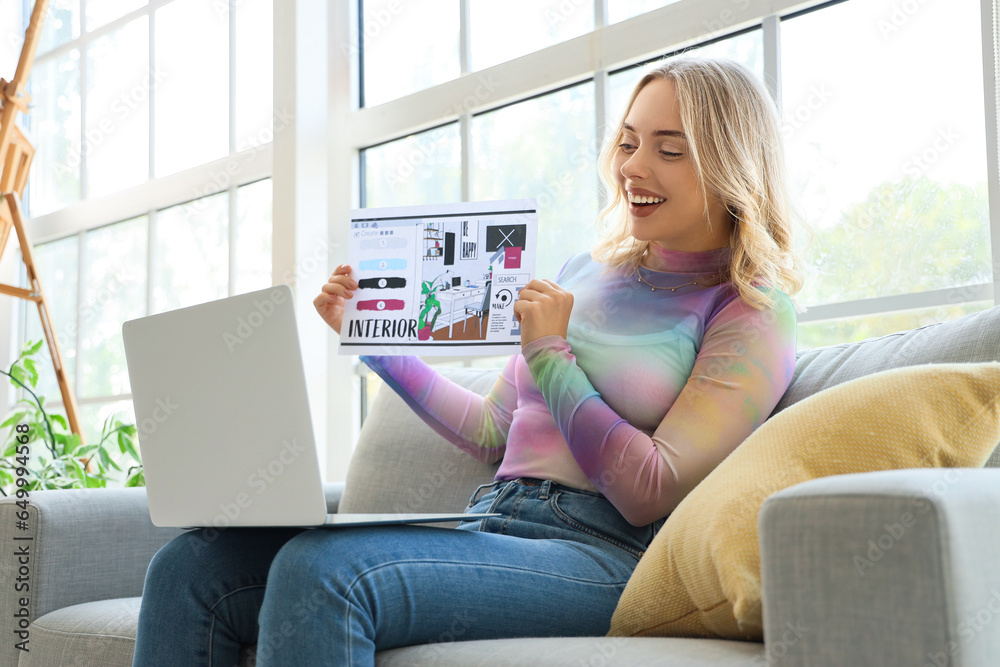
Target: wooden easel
{"points": [[15, 160]]}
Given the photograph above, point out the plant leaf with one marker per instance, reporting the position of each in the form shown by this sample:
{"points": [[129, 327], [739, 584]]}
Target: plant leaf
{"points": [[77, 471], [133, 451], [31, 347], [137, 479], [109, 459], [32, 370], [14, 418], [83, 451]]}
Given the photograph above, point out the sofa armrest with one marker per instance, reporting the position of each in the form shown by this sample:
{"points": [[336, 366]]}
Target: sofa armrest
{"points": [[82, 545], [887, 568]]}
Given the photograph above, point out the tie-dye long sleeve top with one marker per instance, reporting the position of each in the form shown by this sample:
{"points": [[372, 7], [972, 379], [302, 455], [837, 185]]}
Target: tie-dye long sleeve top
{"points": [[651, 389]]}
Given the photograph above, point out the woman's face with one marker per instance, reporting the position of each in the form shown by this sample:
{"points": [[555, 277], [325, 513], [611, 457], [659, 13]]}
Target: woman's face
{"points": [[654, 170]]}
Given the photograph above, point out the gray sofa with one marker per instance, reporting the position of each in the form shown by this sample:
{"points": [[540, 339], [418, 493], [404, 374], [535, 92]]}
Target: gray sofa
{"points": [[931, 597]]}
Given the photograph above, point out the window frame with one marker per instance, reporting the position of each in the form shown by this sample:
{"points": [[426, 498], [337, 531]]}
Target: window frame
{"points": [[644, 38], [222, 176]]}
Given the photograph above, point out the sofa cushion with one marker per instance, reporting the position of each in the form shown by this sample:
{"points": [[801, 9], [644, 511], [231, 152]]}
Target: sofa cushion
{"points": [[971, 338], [575, 651], [98, 634], [700, 576], [92, 634], [401, 465]]}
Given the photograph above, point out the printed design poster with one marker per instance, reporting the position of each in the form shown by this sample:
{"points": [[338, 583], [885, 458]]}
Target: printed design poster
{"points": [[439, 280]]}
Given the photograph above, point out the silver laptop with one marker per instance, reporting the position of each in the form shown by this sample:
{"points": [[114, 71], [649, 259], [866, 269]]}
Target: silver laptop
{"points": [[223, 417]]}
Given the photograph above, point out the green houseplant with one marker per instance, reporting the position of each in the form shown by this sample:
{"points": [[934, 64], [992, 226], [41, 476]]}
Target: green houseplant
{"points": [[426, 324], [59, 459]]}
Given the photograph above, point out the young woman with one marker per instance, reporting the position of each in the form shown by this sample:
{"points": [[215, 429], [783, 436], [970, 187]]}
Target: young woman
{"points": [[643, 365]]}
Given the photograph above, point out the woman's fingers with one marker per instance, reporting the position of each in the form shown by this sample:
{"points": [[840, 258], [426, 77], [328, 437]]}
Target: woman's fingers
{"points": [[543, 308], [329, 303], [342, 270], [342, 289]]}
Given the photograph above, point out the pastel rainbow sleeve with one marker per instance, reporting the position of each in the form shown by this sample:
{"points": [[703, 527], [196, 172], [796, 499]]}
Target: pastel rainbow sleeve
{"points": [[475, 424], [742, 368]]}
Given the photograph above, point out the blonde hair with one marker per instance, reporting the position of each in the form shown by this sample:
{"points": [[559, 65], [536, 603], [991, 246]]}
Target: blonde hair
{"points": [[735, 143]]}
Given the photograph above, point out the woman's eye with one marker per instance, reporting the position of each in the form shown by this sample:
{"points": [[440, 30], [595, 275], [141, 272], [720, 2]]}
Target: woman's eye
{"points": [[626, 148], [669, 154]]}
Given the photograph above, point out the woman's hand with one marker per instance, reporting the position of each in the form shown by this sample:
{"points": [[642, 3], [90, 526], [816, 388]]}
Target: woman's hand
{"points": [[543, 309], [330, 302]]}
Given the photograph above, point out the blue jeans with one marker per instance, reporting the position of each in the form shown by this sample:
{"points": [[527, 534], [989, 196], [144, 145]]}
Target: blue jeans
{"points": [[554, 564]]}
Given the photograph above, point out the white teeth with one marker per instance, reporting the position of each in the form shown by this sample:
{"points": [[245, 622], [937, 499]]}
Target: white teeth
{"points": [[635, 199]]}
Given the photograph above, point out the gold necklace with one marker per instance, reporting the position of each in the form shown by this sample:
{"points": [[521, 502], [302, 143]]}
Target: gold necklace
{"points": [[653, 287]]}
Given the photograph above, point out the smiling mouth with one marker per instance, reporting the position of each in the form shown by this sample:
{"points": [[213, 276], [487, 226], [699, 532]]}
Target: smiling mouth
{"points": [[639, 200]]}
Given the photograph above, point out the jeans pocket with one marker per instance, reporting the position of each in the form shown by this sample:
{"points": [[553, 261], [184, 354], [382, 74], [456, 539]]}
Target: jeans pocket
{"points": [[594, 515], [476, 500]]}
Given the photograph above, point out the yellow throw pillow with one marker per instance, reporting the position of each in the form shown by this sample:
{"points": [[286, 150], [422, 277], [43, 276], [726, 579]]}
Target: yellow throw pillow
{"points": [[700, 576]]}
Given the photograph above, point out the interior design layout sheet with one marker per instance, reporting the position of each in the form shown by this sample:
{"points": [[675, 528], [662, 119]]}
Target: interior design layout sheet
{"points": [[439, 280]]}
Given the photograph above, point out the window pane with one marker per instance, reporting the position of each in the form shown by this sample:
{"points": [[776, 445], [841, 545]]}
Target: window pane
{"points": [[117, 138], [502, 31], [192, 91], [254, 73], [114, 275], [850, 330], [102, 12], [408, 46], [423, 168], [544, 149], [619, 10], [253, 237], [56, 264], [191, 253], [55, 134], [747, 49], [886, 148], [62, 23], [12, 19]]}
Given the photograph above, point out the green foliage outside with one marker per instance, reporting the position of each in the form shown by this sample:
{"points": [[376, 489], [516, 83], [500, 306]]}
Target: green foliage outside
{"points": [[910, 236], [57, 458]]}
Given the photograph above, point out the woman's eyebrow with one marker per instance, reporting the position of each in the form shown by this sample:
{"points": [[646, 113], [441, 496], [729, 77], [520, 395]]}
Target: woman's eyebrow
{"points": [[659, 133]]}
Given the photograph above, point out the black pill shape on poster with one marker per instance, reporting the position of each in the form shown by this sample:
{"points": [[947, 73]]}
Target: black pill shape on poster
{"points": [[381, 283]]}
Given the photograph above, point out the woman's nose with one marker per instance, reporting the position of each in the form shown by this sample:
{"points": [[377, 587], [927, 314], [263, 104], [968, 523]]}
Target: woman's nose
{"points": [[635, 166]]}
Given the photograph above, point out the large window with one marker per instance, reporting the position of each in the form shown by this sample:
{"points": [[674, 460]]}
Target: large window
{"points": [[543, 148], [128, 100], [97, 279], [887, 151], [886, 142], [127, 117]]}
